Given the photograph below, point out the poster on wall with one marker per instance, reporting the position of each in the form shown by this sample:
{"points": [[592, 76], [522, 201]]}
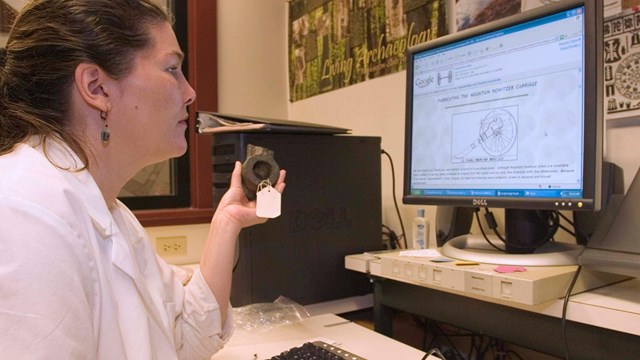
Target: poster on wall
{"points": [[470, 13], [338, 43], [622, 65]]}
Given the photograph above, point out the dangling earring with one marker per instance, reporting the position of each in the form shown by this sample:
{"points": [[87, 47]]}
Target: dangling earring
{"points": [[104, 134]]}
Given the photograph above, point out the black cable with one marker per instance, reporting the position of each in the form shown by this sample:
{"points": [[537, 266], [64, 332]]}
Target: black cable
{"points": [[484, 235], [472, 346], [452, 352], [493, 224], [435, 342], [391, 235], [480, 345], [575, 231], [425, 334], [565, 305], [566, 218], [499, 348], [581, 236], [404, 240], [567, 230], [452, 349], [395, 201], [483, 349], [488, 215]]}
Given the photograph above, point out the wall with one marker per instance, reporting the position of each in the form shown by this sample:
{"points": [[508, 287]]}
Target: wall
{"points": [[252, 57], [253, 80], [622, 146]]}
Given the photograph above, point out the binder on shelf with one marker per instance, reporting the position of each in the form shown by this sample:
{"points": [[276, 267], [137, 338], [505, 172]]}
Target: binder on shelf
{"points": [[214, 123]]}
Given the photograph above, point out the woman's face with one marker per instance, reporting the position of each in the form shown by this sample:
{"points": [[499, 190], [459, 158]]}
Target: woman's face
{"points": [[148, 117]]}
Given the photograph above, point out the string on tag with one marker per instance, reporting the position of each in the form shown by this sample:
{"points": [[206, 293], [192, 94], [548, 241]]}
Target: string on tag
{"points": [[264, 184]]}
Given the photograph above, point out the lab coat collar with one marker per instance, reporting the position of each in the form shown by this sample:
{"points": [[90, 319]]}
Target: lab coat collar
{"points": [[63, 157], [123, 251]]}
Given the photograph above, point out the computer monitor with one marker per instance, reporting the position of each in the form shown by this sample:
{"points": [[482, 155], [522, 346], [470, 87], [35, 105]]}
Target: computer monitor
{"points": [[509, 115]]}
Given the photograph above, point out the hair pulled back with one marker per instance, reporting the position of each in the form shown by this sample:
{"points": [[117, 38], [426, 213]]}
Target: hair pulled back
{"points": [[47, 42]]}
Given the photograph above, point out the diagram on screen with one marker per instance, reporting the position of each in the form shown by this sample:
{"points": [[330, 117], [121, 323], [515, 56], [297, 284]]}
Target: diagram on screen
{"points": [[488, 135]]}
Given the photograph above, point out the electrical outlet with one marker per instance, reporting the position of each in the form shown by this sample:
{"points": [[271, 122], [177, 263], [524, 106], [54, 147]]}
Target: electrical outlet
{"points": [[171, 246]]}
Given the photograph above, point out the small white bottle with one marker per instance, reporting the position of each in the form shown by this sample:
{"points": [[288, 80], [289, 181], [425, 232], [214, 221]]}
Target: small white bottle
{"points": [[420, 231]]}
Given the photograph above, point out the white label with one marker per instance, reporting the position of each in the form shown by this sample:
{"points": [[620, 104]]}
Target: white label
{"points": [[268, 202]]}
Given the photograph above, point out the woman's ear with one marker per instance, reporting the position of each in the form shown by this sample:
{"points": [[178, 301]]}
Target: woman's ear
{"points": [[93, 85]]}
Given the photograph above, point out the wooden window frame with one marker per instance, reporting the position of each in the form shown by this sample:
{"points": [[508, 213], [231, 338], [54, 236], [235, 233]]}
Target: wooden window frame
{"points": [[203, 77]]}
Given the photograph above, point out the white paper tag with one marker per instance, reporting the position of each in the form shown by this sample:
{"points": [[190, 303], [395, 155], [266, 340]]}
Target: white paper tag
{"points": [[268, 202]]}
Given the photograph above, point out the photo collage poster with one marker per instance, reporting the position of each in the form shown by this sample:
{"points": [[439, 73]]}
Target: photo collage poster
{"points": [[622, 65], [337, 43]]}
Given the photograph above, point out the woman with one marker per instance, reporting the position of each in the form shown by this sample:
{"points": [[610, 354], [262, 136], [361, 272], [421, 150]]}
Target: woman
{"points": [[91, 92]]}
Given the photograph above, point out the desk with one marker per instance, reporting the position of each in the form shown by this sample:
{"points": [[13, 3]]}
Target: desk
{"points": [[330, 328], [602, 324]]}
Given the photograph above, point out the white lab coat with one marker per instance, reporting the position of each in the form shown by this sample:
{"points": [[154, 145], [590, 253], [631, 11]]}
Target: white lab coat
{"points": [[81, 281]]}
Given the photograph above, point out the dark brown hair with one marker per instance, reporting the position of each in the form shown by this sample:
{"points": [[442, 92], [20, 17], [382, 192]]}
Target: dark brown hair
{"points": [[47, 42]]}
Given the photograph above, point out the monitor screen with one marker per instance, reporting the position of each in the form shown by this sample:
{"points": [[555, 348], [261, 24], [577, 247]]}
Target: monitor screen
{"points": [[508, 114]]}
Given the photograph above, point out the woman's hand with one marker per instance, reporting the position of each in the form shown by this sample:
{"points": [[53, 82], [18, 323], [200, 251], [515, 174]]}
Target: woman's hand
{"points": [[234, 207], [234, 212]]}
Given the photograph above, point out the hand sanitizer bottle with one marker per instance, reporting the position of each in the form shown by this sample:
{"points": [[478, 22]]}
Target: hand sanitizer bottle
{"points": [[420, 231]]}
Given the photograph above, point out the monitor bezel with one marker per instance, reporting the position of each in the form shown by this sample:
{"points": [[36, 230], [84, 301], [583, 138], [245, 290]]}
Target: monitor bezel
{"points": [[594, 116]]}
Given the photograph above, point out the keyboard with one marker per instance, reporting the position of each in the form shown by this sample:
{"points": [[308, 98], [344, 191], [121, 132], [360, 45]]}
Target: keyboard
{"points": [[319, 350]]}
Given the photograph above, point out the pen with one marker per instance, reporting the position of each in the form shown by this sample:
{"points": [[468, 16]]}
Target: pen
{"points": [[466, 263], [338, 323]]}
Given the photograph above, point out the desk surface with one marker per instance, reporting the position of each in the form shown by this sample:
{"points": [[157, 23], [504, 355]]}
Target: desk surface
{"points": [[329, 328], [601, 321], [615, 306]]}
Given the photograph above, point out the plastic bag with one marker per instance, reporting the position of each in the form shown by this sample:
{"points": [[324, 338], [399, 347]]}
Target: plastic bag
{"points": [[265, 316]]}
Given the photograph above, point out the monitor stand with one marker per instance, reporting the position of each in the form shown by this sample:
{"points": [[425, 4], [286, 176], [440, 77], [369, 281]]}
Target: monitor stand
{"points": [[476, 248]]}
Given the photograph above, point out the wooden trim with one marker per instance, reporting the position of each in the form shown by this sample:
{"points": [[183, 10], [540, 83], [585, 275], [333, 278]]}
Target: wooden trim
{"points": [[167, 217], [204, 79], [203, 76]]}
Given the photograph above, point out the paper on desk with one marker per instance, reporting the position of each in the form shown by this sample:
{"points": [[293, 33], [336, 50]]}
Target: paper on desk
{"points": [[505, 269], [421, 253]]}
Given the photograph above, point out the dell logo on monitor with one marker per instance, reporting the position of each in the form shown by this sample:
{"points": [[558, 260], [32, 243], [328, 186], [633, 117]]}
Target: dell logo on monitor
{"points": [[479, 202]]}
